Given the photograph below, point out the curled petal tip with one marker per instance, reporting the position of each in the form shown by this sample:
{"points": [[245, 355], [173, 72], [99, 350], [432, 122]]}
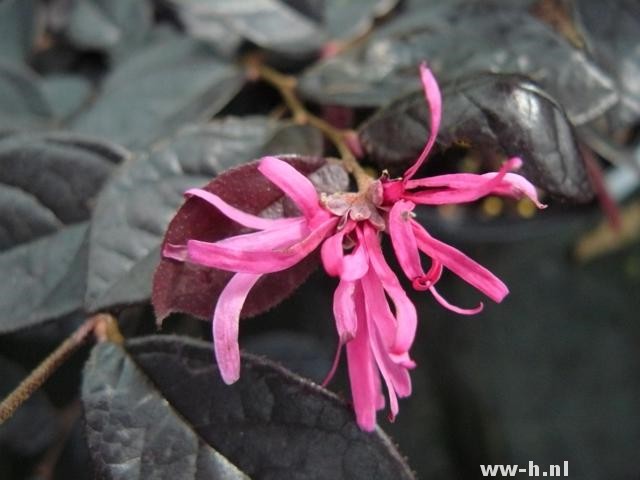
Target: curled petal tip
{"points": [[230, 377], [514, 163]]}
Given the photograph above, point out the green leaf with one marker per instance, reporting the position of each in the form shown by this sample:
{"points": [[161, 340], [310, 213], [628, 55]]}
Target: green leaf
{"points": [[158, 89], [48, 278]]}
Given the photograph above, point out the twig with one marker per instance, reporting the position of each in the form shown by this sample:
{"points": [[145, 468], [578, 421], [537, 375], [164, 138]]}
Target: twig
{"points": [[48, 366], [286, 86]]}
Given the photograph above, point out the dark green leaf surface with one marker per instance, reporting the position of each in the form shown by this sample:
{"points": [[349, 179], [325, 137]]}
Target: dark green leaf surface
{"points": [[17, 29], [270, 424], [117, 27], [23, 104], [51, 180], [134, 433], [65, 94], [134, 210], [45, 278], [158, 89], [611, 31], [347, 19], [291, 27], [457, 42], [496, 114], [268, 23]]}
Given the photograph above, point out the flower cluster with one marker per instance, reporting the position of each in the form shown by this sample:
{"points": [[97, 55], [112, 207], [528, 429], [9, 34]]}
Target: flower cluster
{"points": [[348, 227]]}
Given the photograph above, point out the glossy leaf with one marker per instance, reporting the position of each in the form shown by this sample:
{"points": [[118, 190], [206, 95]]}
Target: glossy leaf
{"points": [[48, 181], [47, 278], [132, 430], [157, 90], [456, 42], [495, 114], [134, 210], [270, 424], [612, 35]]}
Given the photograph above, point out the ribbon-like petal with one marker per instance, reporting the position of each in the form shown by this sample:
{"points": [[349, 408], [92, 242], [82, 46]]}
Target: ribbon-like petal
{"points": [[456, 261], [434, 102], [218, 255], [226, 319], [294, 184], [238, 216]]}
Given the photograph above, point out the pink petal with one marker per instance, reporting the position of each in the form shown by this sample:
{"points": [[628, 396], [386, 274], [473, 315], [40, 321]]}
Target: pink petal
{"points": [[377, 304], [356, 264], [462, 311], [218, 255], [349, 267], [456, 261], [176, 252], [344, 310], [517, 186], [334, 365], [295, 185], [245, 219], [483, 186], [406, 315], [464, 180], [434, 101], [226, 319], [395, 376], [332, 250], [363, 376], [404, 240], [272, 238]]}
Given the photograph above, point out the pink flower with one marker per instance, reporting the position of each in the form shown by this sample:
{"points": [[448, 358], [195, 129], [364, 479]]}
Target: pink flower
{"points": [[347, 228]]}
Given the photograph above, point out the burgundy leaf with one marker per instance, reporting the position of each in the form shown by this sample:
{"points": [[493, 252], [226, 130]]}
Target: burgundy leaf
{"points": [[193, 289]]}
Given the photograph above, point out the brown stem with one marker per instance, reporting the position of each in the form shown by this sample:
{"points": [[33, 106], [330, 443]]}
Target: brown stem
{"points": [[286, 86], [48, 366]]}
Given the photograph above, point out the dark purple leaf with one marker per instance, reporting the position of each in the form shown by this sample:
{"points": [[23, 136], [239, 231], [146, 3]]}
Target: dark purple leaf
{"points": [[184, 287], [134, 433], [456, 42], [496, 114], [133, 211], [163, 399]]}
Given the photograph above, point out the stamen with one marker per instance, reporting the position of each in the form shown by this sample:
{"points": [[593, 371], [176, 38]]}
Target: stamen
{"points": [[334, 366]]}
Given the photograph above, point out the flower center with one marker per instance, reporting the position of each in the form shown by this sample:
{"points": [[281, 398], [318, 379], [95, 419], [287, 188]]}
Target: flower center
{"points": [[359, 207]]}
